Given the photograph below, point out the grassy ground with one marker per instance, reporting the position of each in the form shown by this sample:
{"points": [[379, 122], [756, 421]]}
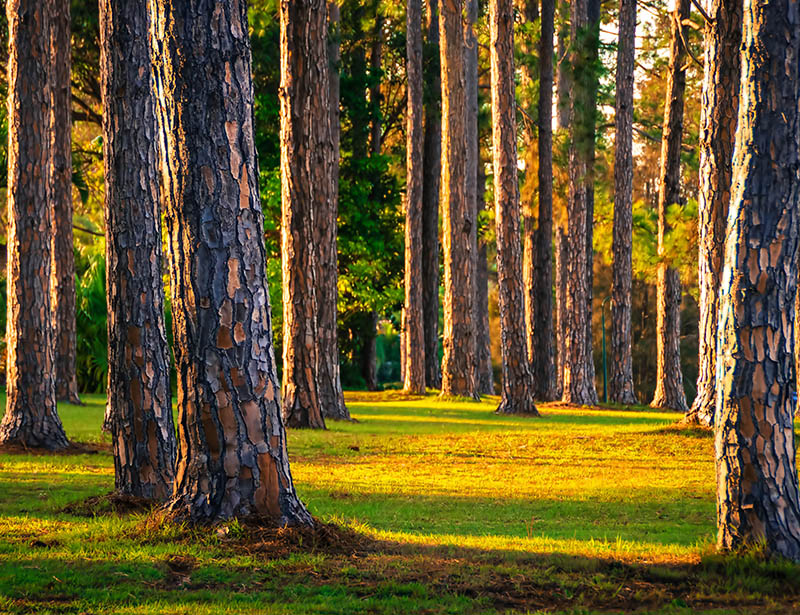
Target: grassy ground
{"points": [[454, 510]]}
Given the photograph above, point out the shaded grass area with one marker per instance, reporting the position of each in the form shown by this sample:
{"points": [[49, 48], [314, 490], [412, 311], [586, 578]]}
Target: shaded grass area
{"points": [[429, 507]]}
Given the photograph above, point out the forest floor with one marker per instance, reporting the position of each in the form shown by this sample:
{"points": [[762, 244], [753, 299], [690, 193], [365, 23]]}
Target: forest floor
{"points": [[428, 507]]}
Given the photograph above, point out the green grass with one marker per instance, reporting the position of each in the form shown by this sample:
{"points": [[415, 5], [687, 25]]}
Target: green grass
{"points": [[580, 511]]}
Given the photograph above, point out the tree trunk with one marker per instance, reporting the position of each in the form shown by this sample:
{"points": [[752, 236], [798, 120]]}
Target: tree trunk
{"points": [[432, 165], [232, 458], [139, 394], [413, 329], [62, 279], [669, 377], [518, 383], [620, 382], [369, 351], [375, 96], [329, 382], [718, 130], [542, 357], [483, 351], [578, 363], [458, 364], [757, 495], [31, 417], [308, 202], [561, 304]]}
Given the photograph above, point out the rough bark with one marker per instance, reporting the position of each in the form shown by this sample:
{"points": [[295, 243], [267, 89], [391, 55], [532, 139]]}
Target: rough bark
{"points": [[413, 326], [620, 381], [578, 376], [232, 458], [518, 383], [458, 364], [717, 134], [561, 303], [31, 417], [62, 278], [432, 165], [669, 377], [542, 356], [757, 493], [483, 351], [307, 197], [139, 394], [329, 382]]}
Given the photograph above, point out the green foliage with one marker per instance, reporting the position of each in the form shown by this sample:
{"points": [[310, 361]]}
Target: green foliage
{"points": [[91, 323]]}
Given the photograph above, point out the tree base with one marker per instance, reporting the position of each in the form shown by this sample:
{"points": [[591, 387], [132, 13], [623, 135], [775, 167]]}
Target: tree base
{"points": [[525, 408], [47, 433]]}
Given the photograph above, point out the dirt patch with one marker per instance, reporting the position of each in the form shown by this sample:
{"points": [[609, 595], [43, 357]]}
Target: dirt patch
{"points": [[109, 504], [75, 448]]}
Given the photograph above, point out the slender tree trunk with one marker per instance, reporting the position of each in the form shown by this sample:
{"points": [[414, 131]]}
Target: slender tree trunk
{"points": [[472, 157], [369, 351], [757, 495], [620, 383], [62, 279], [542, 357], [669, 377], [329, 382], [485, 374], [717, 134], [431, 174], [375, 96], [31, 417], [518, 383], [578, 363], [232, 458], [139, 394], [561, 304], [413, 329], [308, 201], [458, 365]]}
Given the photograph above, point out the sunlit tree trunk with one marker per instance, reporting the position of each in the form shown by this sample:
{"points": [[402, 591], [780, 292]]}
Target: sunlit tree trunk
{"points": [[232, 458], [431, 175], [139, 395], [518, 383], [62, 279], [717, 134], [31, 417], [757, 495], [458, 365], [483, 351], [669, 377], [413, 330], [620, 381]]}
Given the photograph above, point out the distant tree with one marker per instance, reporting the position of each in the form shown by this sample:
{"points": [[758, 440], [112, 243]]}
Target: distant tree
{"points": [[62, 279], [431, 175], [669, 377], [483, 352], [306, 192], [717, 134], [458, 364], [518, 383], [620, 384], [413, 324], [31, 417], [757, 494], [232, 458], [139, 394]]}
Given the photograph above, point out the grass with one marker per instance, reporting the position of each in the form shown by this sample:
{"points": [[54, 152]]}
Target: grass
{"points": [[463, 511]]}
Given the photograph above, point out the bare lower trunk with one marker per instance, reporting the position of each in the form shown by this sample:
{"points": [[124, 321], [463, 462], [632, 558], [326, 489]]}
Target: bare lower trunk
{"points": [[483, 351], [369, 351], [758, 504], [139, 395], [232, 457], [31, 417], [561, 305]]}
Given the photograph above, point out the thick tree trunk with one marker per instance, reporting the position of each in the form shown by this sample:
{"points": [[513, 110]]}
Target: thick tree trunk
{"points": [[717, 134], [62, 279], [542, 357], [669, 377], [431, 174], [308, 201], [483, 351], [31, 417], [232, 457], [578, 363], [413, 328], [139, 394], [329, 382], [458, 364], [620, 382], [757, 495], [518, 383]]}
